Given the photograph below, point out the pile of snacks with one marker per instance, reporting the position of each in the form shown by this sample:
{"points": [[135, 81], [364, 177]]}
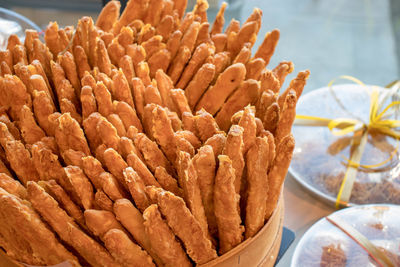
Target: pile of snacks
{"points": [[105, 163]]}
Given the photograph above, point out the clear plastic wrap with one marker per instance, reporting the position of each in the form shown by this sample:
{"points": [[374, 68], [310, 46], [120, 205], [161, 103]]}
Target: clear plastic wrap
{"points": [[326, 245], [318, 161]]}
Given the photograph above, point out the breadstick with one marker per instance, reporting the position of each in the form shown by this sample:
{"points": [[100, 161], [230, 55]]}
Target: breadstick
{"points": [[226, 206], [37, 82], [19, 55], [137, 164], [162, 239], [183, 145], [278, 171], [151, 153], [188, 122], [282, 70], [267, 47], [198, 247], [4, 69], [219, 40], [67, 62], [124, 250], [226, 83], [127, 147], [246, 94], [136, 188], [30, 131], [66, 229], [43, 54], [57, 192], [126, 64], [256, 16], [100, 222], [173, 43], [138, 93], [23, 221], [81, 186], [121, 91], [178, 64], [115, 164], [217, 142], [199, 56], [108, 134], [266, 99], [11, 126], [165, 27], [152, 95], [287, 116], [69, 135], [7, 57], [205, 165], [272, 118], [134, 10], [297, 84], [146, 32], [188, 180], [190, 137], [167, 182], [81, 61], [219, 21], [89, 104], [63, 87], [102, 59], [244, 55], [12, 186], [163, 132], [143, 72], [102, 201], [128, 115], [159, 60], [147, 120], [133, 221], [153, 45], [206, 126], [90, 126], [108, 16], [247, 33], [204, 35], [30, 36], [247, 122], [137, 53], [66, 106], [254, 68], [234, 150], [175, 120], [180, 101], [72, 157], [16, 96], [116, 121]]}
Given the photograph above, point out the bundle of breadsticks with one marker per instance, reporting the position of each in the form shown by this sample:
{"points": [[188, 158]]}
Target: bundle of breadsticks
{"points": [[143, 139]]}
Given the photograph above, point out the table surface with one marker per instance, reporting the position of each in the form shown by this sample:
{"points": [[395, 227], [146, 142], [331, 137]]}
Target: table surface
{"points": [[330, 38]]}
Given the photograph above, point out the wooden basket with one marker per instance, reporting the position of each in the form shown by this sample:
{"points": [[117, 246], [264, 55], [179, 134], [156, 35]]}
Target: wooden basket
{"points": [[260, 250]]}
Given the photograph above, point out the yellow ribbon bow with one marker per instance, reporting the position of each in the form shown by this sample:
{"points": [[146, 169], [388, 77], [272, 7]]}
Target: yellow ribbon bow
{"points": [[379, 120]]}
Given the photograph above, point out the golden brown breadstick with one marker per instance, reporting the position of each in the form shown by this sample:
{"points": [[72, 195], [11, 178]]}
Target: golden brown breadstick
{"points": [[16, 96], [199, 56], [287, 116], [198, 85], [153, 45], [159, 60], [217, 142], [152, 95], [126, 64], [124, 250], [188, 180], [12, 186], [115, 164], [152, 154], [4, 69], [205, 165], [247, 33], [67, 62], [128, 115], [30, 36], [108, 134], [30, 131], [19, 55], [66, 106], [6, 56], [265, 100], [57, 192], [180, 101], [256, 16], [136, 187], [267, 48], [167, 182], [100, 222], [121, 91], [102, 201], [257, 160], [126, 36], [190, 137], [163, 132], [88, 101], [138, 93], [247, 93], [247, 122], [43, 54], [52, 39], [127, 147], [184, 145], [204, 35], [65, 227], [46, 163], [206, 126], [135, 9], [226, 206], [254, 68], [226, 83], [173, 43], [282, 70], [143, 72], [90, 126], [272, 117], [197, 245], [219, 20], [69, 135], [244, 55], [278, 171], [116, 121], [164, 85], [219, 40], [137, 164], [72, 157], [108, 16], [175, 120], [81, 185], [132, 220], [37, 82], [234, 150], [188, 122], [297, 84], [102, 59], [178, 64], [24, 226], [165, 27], [81, 60], [11, 126], [162, 239]]}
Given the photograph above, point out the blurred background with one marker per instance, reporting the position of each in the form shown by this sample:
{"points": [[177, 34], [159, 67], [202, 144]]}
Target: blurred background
{"points": [[358, 37]]}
